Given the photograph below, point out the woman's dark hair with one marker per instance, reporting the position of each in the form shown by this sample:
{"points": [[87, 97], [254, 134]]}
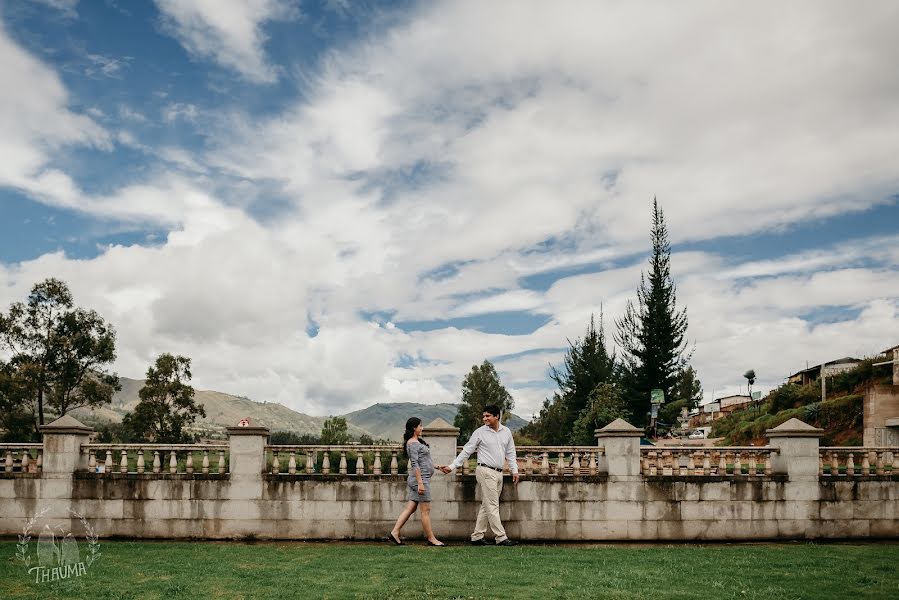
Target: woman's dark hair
{"points": [[411, 424]]}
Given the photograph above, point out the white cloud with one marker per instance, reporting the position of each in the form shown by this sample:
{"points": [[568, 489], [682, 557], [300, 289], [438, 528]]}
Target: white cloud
{"points": [[66, 7], [229, 33], [106, 66], [179, 110], [36, 122]]}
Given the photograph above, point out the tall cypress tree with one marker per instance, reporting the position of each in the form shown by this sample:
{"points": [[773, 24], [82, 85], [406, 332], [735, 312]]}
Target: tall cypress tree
{"points": [[651, 334]]}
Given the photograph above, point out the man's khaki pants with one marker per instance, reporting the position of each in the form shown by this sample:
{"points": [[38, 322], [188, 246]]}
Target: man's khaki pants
{"points": [[490, 483]]}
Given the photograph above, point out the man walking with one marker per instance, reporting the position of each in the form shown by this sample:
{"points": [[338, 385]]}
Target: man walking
{"points": [[494, 445]]}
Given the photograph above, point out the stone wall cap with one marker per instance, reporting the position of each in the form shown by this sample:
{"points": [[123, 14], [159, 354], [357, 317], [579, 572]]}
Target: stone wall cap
{"points": [[894, 422], [248, 426], [619, 428], [439, 427], [794, 428], [66, 424]]}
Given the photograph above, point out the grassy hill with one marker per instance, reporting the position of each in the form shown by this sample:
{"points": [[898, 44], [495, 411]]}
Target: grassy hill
{"points": [[222, 410], [380, 421], [840, 415]]}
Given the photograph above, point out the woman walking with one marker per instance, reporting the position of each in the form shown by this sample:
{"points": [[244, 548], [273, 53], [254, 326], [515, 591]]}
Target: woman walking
{"points": [[418, 488]]}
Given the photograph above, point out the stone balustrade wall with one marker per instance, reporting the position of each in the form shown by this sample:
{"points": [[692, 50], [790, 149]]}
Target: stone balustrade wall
{"points": [[613, 491]]}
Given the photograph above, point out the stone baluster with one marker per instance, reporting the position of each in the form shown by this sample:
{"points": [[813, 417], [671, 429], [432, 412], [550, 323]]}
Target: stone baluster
{"points": [[722, 463], [326, 462], [141, 466], [92, 460], [769, 467], [738, 463], [644, 464], [205, 466], [310, 461], [866, 463], [895, 469], [189, 462], [834, 464], [8, 463], [576, 464], [40, 461], [221, 465], [544, 464], [820, 465], [752, 464], [157, 464], [591, 466], [878, 463], [528, 464], [360, 464], [560, 465], [465, 468], [123, 461], [394, 465], [108, 463], [26, 459], [667, 463], [706, 462], [850, 464], [173, 462], [276, 463], [691, 463], [292, 463], [376, 467]]}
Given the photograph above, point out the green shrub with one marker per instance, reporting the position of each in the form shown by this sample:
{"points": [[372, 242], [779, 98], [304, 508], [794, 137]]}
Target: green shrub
{"points": [[792, 395]]}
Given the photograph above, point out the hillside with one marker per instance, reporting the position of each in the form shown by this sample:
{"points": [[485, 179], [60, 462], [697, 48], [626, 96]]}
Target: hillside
{"points": [[380, 421], [387, 420], [840, 417], [222, 410]]}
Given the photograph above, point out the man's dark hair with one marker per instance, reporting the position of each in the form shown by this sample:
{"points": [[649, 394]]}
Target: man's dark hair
{"points": [[493, 409]]}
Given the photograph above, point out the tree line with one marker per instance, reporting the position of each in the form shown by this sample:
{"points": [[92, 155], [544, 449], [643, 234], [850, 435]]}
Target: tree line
{"points": [[597, 385], [55, 357]]}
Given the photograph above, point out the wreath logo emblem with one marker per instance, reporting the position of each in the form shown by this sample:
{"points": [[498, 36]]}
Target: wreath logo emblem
{"points": [[57, 555]]}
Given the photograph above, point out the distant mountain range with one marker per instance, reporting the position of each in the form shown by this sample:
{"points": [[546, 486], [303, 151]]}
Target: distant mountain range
{"points": [[381, 421]]}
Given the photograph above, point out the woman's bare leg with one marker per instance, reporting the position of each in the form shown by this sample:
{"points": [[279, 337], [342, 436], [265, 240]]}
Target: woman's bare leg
{"points": [[404, 516], [426, 523]]}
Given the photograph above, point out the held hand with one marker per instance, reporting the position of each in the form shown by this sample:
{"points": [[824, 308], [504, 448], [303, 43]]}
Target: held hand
{"points": [[515, 478], [421, 490]]}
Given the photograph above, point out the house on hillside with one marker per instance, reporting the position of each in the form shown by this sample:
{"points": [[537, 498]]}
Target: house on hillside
{"points": [[731, 403], [831, 368]]}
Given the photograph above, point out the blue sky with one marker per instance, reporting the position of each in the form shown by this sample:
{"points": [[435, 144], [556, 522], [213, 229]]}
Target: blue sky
{"points": [[329, 204]]}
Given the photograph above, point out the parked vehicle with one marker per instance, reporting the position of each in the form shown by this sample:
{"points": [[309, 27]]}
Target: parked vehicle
{"points": [[698, 434]]}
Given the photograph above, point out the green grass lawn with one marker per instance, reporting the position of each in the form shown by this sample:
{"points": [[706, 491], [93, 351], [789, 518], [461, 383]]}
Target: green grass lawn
{"points": [[149, 570]]}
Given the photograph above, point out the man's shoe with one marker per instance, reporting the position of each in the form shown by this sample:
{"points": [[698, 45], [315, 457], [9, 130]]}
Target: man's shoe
{"points": [[507, 542], [480, 542]]}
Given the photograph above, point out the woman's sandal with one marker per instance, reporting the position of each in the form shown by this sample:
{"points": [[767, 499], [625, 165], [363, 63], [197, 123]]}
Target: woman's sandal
{"points": [[396, 541], [430, 543]]}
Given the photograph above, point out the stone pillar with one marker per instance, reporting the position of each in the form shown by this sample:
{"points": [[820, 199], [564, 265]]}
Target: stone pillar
{"points": [[62, 447], [247, 459], [621, 454], [896, 366], [797, 450], [443, 439]]}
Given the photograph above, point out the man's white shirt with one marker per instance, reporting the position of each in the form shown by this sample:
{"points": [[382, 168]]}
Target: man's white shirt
{"points": [[493, 448]]}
